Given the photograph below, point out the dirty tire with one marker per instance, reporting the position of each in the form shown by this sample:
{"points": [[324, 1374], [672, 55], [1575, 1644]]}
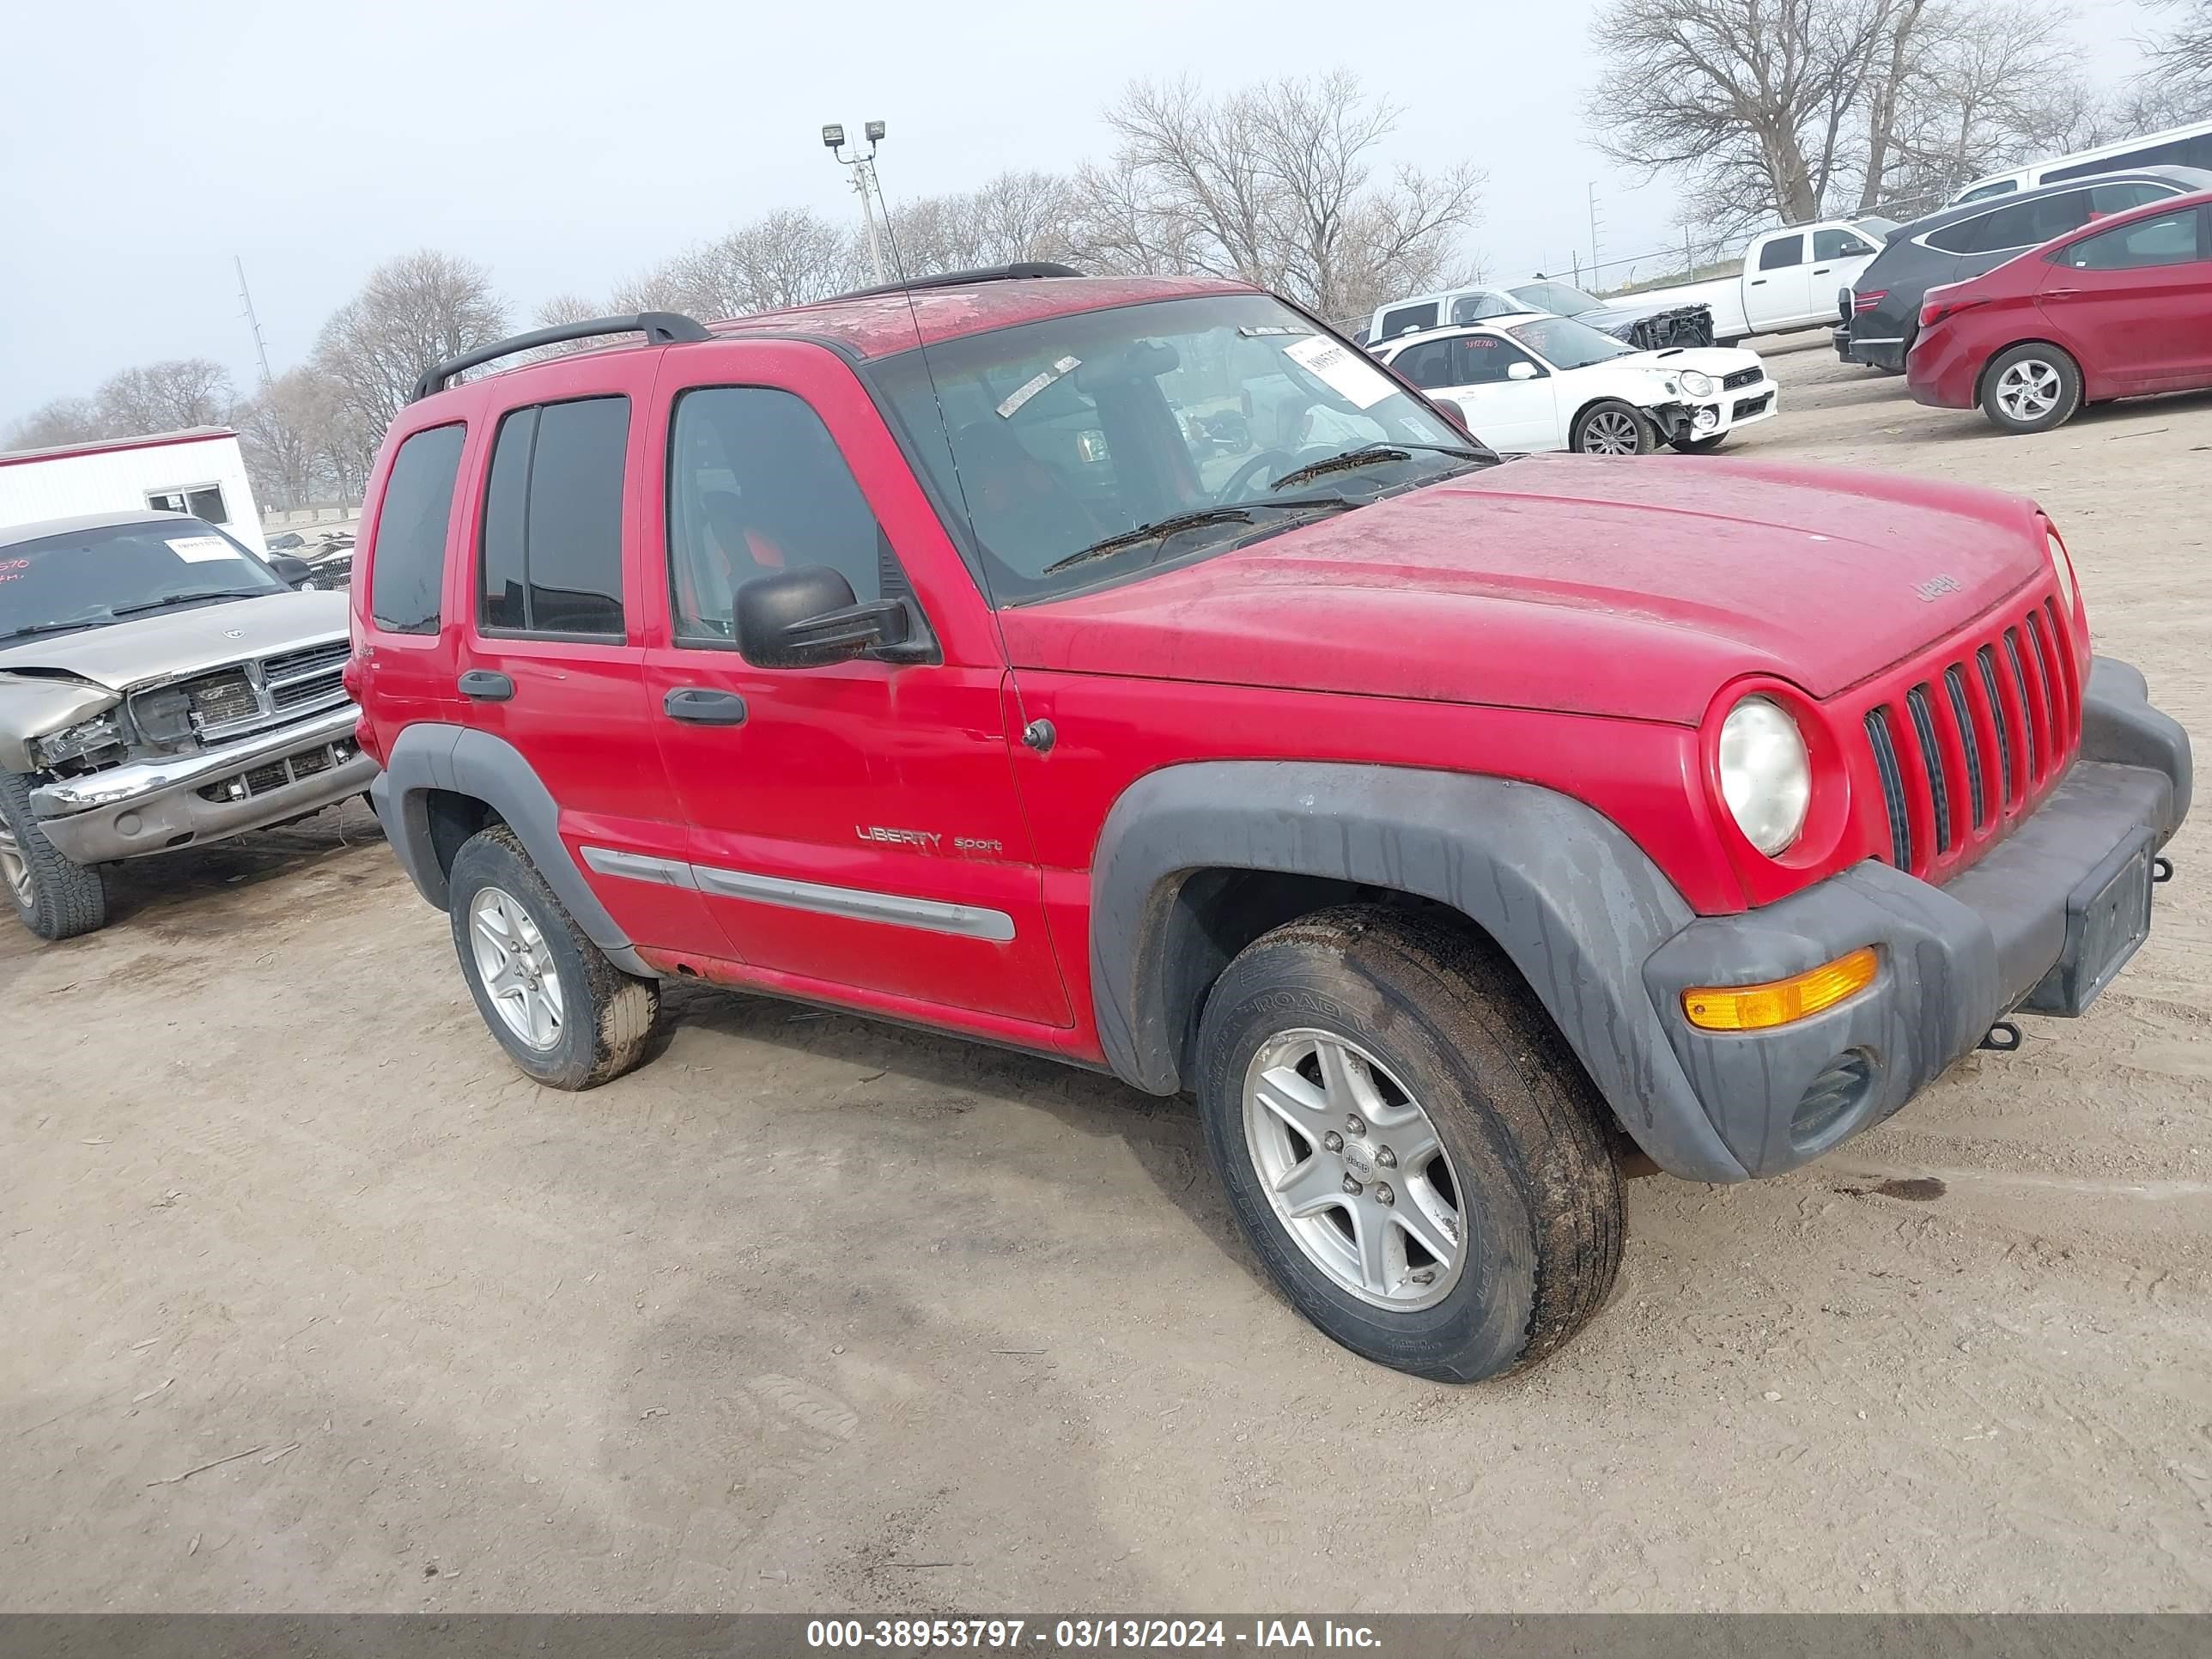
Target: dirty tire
{"points": [[1610, 427], [64, 899], [2031, 388], [609, 1015], [1523, 1129], [1701, 446]]}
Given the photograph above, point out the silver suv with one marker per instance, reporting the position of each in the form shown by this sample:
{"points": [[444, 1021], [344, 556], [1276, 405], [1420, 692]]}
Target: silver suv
{"points": [[159, 687]]}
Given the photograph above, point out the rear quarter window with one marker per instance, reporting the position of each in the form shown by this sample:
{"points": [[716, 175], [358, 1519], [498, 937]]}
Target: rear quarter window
{"points": [[407, 563]]}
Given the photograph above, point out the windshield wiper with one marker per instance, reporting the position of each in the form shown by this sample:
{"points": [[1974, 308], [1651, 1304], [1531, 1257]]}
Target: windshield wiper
{"points": [[1160, 529], [179, 599], [1367, 456], [37, 629]]}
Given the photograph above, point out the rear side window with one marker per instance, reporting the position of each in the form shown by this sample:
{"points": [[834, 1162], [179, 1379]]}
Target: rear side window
{"points": [[408, 562], [1406, 319], [757, 485], [552, 557], [1428, 364], [1781, 252], [2022, 224], [2170, 239]]}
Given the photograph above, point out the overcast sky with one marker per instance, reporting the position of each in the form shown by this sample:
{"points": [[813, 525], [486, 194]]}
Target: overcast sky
{"points": [[568, 145]]}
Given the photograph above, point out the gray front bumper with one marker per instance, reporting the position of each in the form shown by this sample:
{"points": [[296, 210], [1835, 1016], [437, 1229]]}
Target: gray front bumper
{"points": [[2002, 936], [151, 806]]}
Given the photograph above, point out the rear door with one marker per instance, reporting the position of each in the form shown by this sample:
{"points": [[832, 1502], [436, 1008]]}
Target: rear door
{"points": [[404, 636], [2136, 301], [552, 655], [852, 827], [1510, 415], [1778, 281]]}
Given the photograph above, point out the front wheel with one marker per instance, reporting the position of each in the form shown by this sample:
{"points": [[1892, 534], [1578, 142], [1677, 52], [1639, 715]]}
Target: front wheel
{"points": [[1415, 1155], [2031, 388], [1700, 446], [1611, 427], [563, 1012], [51, 897]]}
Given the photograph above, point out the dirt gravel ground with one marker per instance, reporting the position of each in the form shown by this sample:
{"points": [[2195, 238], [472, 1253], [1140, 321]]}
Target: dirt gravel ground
{"points": [[815, 1314]]}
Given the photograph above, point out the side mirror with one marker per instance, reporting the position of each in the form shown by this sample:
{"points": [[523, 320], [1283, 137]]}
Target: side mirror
{"points": [[1521, 371], [293, 573], [807, 618]]}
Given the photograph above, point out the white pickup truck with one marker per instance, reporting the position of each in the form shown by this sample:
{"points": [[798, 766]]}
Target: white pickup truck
{"points": [[1791, 278]]}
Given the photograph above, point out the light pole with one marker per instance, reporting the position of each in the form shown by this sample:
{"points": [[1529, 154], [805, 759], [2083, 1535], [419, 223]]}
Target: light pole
{"points": [[864, 181]]}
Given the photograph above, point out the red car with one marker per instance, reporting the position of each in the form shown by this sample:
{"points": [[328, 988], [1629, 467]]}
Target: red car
{"points": [[1441, 823], [2122, 309]]}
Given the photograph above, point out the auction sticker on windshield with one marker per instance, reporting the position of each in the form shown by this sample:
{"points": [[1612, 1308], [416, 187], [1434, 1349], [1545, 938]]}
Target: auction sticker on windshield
{"points": [[202, 550], [1347, 372]]}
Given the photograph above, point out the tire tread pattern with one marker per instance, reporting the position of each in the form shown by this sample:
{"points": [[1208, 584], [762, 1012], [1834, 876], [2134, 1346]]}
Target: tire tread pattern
{"points": [[67, 900]]}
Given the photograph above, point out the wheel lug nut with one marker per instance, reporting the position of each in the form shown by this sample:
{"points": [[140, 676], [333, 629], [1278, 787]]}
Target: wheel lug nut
{"points": [[1386, 1158], [1351, 1186], [1353, 1124], [1334, 1141], [1384, 1195]]}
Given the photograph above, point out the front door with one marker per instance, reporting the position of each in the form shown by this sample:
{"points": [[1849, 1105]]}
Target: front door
{"points": [[856, 825]]}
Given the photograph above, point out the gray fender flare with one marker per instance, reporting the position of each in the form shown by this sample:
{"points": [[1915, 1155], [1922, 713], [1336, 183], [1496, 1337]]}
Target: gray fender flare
{"points": [[1571, 901], [463, 761]]}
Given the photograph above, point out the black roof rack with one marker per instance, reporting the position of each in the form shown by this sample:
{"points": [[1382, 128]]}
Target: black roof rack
{"points": [[658, 327], [1015, 273]]}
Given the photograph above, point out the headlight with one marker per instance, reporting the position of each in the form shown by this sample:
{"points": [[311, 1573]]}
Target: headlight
{"points": [[163, 717], [1697, 383], [2061, 566], [1767, 774], [76, 742]]}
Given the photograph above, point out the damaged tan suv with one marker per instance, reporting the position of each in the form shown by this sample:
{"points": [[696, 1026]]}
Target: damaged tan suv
{"points": [[159, 687]]}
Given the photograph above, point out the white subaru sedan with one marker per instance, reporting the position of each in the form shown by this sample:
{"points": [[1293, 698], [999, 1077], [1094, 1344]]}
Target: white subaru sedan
{"points": [[1534, 382]]}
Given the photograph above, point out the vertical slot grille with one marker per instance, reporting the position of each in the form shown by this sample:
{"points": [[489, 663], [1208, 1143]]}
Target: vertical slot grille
{"points": [[2000, 716], [1892, 787], [1932, 759], [1977, 798], [2027, 702]]}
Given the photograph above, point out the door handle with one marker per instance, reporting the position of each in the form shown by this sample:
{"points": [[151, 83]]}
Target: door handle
{"points": [[1758, 282], [2061, 293], [699, 705], [1822, 270], [481, 685]]}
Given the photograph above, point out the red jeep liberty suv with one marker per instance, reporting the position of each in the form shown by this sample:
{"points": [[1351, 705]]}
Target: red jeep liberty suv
{"points": [[1131, 671]]}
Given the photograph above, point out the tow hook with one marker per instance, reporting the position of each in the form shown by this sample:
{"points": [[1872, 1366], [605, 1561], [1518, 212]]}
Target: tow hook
{"points": [[2162, 870], [2002, 1038]]}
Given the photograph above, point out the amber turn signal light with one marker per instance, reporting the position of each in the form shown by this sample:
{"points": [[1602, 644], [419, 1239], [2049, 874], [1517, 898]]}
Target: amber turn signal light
{"points": [[1782, 1001]]}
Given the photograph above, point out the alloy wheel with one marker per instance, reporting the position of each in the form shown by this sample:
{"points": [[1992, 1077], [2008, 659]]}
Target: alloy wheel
{"points": [[1610, 432], [2029, 390], [1354, 1169], [518, 969], [15, 868]]}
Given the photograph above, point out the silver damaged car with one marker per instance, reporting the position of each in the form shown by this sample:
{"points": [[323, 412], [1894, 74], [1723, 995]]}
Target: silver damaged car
{"points": [[159, 687]]}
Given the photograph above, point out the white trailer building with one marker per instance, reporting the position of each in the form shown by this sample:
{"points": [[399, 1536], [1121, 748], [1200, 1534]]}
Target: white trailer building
{"points": [[200, 471]]}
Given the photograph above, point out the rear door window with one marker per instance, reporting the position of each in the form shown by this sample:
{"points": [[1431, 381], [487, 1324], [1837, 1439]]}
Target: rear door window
{"points": [[550, 561], [1428, 364], [408, 562], [2024, 224], [1407, 319], [1782, 251]]}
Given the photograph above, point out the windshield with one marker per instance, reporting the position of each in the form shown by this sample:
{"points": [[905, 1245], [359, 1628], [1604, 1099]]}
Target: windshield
{"points": [[1486, 303], [1565, 343], [88, 578], [1560, 298], [1076, 431], [1876, 228]]}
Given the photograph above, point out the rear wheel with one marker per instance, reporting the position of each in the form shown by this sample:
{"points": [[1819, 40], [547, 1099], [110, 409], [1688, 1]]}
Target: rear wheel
{"points": [[563, 1012], [51, 897], [2031, 388], [1611, 427], [1415, 1155]]}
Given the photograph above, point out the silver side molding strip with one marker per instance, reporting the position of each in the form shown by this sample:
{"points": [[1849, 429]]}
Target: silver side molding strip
{"points": [[855, 903]]}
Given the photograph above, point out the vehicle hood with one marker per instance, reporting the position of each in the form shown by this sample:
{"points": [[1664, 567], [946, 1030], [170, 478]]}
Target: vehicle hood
{"points": [[1587, 585], [165, 644], [1715, 361]]}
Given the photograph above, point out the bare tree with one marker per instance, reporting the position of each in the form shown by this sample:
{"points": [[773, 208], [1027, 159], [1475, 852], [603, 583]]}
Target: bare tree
{"points": [[290, 431], [1752, 101], [1010, 219], [412, 312], [1993, 85], [1274, 184], [786, 258], [63, 421], [165, 396], [2183, 58]]}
